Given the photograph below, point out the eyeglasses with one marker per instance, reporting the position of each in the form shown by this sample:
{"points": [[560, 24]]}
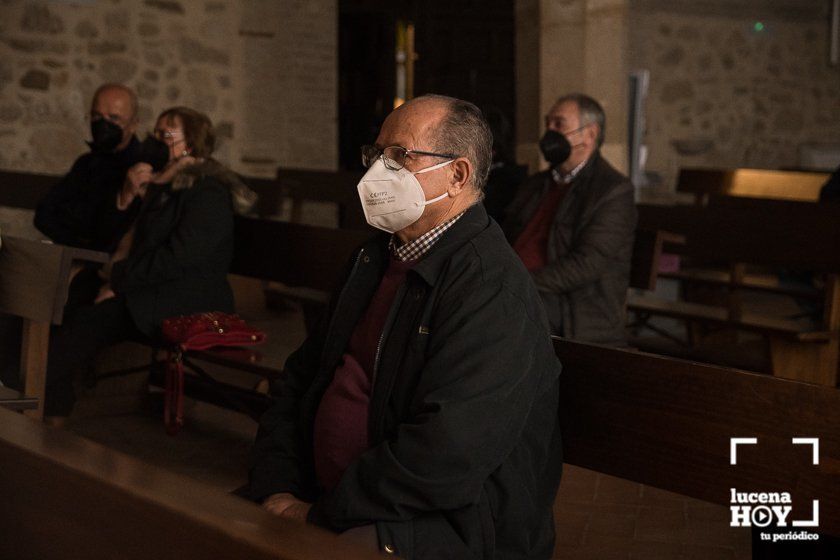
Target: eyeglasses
{"points": [[164, 135], [394, 156]]}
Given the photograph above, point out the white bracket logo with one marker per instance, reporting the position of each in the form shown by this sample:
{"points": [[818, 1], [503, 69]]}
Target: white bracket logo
{"points": [[745, 509]]}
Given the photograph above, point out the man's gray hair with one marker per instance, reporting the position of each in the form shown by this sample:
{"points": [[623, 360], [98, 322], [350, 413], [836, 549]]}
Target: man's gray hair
{"points": [[464, 131], [590, 112]]}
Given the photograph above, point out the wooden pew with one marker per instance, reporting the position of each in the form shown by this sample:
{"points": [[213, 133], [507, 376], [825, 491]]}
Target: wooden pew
{"points": [[735, 232], [338, 187], [67, 497], [308, 261], [24, 190], [34, 282], [667, 423], [305, 185], [754, 183]]}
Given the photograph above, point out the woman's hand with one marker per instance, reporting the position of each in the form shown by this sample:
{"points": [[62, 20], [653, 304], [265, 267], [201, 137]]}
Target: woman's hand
{"points": [[138, 176], [174, 167], [105, 292]]}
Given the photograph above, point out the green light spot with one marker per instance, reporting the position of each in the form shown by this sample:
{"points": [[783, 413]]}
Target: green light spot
{"points": [[758, 26]]}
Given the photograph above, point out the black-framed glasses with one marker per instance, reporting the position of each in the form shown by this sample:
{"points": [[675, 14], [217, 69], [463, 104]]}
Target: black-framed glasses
{"points": [[394, 156]]}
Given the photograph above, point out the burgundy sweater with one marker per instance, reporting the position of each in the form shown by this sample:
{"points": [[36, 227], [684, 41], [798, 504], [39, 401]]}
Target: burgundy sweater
{"points": [[341, 423]]}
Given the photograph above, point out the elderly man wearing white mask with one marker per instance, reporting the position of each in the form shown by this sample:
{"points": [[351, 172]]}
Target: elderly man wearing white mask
{"points": [[422, 416]]}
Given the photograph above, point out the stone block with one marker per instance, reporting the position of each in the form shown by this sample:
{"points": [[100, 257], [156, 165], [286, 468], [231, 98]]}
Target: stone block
{"points": [[35, 79], [165, 6], [148, 29], [193, 51], [113, 69], [117, 21], [36, 45], [146, 91], [86, 30], [10, 112], [37, 18], [106, 47]]}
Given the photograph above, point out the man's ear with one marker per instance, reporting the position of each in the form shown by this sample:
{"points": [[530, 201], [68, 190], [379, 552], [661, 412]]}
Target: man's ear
{"points": [[462, 171], [592, 132]]}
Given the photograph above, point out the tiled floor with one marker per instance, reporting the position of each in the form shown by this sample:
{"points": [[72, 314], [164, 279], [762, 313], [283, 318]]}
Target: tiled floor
{"points": [[603, 517]]}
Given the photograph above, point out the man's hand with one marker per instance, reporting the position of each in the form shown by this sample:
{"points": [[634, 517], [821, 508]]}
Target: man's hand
{"points": [[287, 506], [138, 176], [105, 292]]}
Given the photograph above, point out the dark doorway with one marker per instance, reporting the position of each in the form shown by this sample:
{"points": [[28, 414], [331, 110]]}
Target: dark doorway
{"points": [[464, 49]]}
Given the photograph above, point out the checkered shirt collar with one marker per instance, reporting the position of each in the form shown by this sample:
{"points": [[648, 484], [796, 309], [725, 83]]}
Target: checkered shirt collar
{"points": [[413, 250], [559, 178]]}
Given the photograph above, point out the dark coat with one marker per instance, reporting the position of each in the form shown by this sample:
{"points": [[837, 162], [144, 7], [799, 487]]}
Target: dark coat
{"points": [[590, 245], [465, 453], [81, 210], [181, 253]]}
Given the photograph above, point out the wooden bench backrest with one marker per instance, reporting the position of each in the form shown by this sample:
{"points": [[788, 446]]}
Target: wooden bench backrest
{"points": [[66, 497], [790, 234], [338, 187], [668, 423], [755, 183], [24, 190], [294, 254]]}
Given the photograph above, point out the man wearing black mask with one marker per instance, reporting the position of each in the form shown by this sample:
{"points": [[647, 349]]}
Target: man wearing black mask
{"points": [[573, 226], [82, 210]]}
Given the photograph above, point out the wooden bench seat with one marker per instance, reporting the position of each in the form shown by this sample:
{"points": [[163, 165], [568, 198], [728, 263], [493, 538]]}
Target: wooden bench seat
{"points": [[757, 322], [770, 283], [14, 400]]}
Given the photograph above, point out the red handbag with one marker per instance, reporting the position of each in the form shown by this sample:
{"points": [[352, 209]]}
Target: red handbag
{"points": [[197, 332]]}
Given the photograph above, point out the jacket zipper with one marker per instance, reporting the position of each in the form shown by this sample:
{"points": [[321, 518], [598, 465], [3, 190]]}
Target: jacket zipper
{"points": [[392, 313], [341, 297]]}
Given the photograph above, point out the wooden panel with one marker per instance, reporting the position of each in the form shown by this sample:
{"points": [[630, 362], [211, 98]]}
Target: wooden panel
{"points": [[326, 186], [755, 183], [30, 278], [793, 235], [294, 254], [667, 423], [33, 362], [24, 190], [803, 330], [64, 496]]}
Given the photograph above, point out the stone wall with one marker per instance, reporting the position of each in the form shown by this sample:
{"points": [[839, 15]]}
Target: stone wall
{"points": [[730, 89], [566, 46], [53, 55]]}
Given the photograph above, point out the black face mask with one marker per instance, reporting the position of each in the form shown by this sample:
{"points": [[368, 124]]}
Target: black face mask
{"points": [[154, 152], [555, 147], [106, 136]]}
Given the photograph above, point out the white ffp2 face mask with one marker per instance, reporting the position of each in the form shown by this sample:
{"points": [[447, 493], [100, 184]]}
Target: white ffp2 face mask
{"points": [[393, 200]]}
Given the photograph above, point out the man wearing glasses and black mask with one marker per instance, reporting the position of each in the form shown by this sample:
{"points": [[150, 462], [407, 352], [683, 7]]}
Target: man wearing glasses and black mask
{"points": [[81, 210], [420, 418], [573, 226]]}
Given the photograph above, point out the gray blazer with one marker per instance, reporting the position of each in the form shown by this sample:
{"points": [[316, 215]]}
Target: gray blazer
{"points": [[584, 284]]}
